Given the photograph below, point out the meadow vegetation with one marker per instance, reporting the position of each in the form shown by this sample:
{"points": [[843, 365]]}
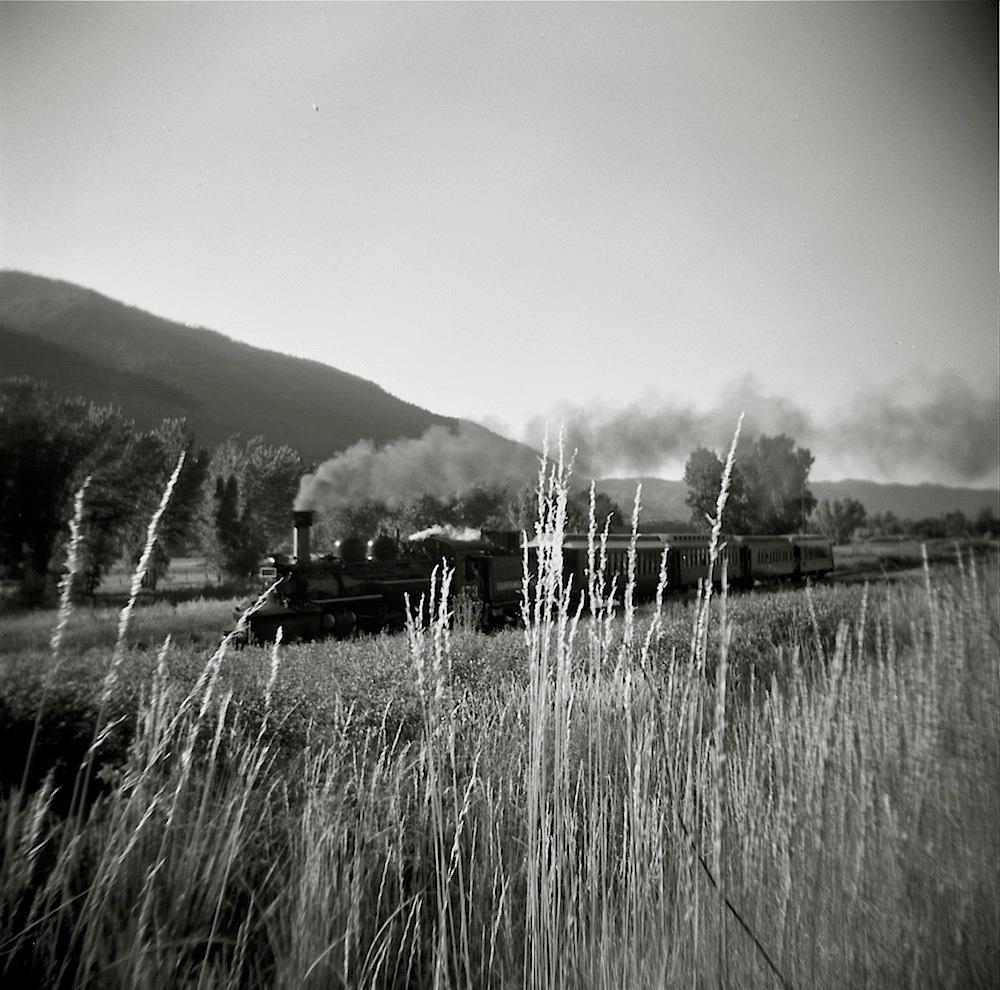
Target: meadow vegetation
{"points": [[793, 788]]}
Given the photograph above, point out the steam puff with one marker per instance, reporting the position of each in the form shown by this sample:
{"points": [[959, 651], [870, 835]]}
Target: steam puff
{"points": [[923, 429], [440, 463], [450, 532], [951, 431]]}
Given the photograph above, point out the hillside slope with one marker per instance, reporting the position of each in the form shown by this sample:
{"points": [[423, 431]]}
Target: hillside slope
{"points": [[910, 501], [82, 342]]}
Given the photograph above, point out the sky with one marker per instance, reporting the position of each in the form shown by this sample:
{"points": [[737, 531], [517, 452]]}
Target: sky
{"points": [[638, 219]]}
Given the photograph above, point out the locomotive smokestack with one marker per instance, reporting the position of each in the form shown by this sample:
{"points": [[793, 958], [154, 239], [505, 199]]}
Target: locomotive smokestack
{"points": [[303, 521]]}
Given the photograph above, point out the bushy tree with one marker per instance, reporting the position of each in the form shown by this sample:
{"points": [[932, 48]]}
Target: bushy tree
{"points": [[606, 510], [987, 523], [768, 490], [522, 509], [47, 445], [957, 525], [883, 524], [179, 532], [482, 506], [774, 474], [703, 476], [254, 491], [839, 519]]}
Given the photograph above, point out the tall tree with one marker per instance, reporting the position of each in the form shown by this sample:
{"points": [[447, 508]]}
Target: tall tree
{"points": [[703, 476], [48, 444], [179, 529], [774, 474], [839, 519], [768, 490], [482, 506], [986, 523], [127, 491], [253, 504]]}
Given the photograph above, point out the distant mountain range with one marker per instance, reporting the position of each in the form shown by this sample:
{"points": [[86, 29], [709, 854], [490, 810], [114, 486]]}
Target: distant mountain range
{"points": [[662, 499], [83, 343]]}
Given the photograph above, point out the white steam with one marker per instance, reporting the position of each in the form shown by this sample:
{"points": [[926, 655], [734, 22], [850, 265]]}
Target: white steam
{"points": [[449, 533]]}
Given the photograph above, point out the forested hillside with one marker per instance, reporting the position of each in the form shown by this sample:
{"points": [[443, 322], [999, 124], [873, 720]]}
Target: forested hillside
{"points": [[83, 343]]}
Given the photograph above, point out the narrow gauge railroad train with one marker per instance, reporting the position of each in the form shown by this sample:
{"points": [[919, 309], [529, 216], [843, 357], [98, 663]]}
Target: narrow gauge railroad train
{"points": [[748, 560], [364, 587]]}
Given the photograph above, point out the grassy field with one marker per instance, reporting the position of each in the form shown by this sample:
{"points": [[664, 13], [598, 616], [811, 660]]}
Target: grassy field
{"points": [[877, 558], [794, 788]]}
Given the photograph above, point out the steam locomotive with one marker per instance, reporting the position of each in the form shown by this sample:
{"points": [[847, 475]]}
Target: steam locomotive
{"points": [[364, 586]]}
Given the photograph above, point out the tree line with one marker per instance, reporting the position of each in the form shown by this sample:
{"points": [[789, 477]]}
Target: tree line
{"points": [[769, 493], [225, 506], [229, 506], [232, 505]]}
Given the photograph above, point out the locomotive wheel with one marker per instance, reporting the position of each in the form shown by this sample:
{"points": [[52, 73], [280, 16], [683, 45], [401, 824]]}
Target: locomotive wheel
{"points": [[339, 624]]}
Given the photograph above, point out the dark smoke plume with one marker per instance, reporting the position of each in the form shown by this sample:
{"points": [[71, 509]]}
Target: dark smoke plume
{"points": [[440, 463], [940, 430], [922, 430]]}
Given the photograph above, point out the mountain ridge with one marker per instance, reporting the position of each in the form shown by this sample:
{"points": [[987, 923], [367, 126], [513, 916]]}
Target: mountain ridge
{"points": [[83, 342], [55, 331], [663, 498]]}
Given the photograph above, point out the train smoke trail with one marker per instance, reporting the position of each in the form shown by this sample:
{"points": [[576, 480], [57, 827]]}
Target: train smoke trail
{"points": [[441, 463], [923, 429]]}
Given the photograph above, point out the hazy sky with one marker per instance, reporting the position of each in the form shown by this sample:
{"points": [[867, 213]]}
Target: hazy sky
{"points": [[495, 210]]}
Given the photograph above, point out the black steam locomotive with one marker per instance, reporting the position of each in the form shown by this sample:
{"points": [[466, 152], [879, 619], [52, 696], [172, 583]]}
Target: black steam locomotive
{"points": [[365, 586]]}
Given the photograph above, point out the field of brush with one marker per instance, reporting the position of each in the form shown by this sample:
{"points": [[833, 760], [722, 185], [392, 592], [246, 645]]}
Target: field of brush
{"points": [[788, 788]]}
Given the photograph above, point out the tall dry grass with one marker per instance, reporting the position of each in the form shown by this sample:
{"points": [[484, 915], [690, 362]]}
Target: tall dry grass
{"points": [[630, 812]]}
